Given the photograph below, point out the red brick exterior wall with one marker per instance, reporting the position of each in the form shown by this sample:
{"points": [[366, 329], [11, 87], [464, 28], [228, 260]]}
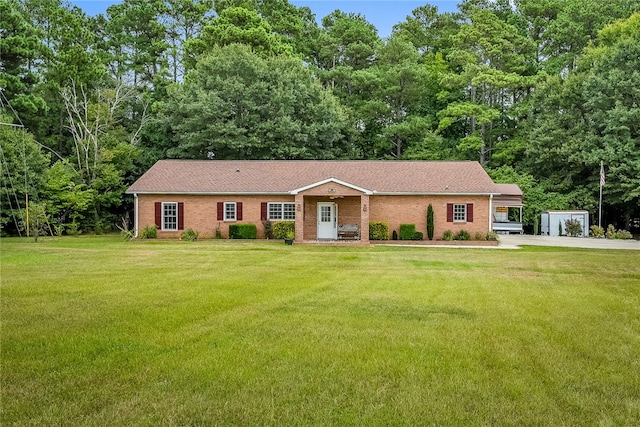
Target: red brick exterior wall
{"points": [[200, 211], [398, 210]]}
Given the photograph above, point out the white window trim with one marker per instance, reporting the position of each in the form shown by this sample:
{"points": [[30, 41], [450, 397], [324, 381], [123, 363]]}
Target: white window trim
{"points": [[163, 223], [269, 204], [464, 205], [235, 211]]}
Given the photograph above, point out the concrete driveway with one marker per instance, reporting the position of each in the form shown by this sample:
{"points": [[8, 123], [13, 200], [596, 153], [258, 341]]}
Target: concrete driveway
{"points": [[516, 240]]}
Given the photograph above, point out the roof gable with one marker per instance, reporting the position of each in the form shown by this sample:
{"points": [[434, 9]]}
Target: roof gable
{"points": [[331, 180]]}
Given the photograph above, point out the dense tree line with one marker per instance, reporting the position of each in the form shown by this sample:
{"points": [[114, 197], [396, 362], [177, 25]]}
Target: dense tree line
{"points": [[540, 92]]}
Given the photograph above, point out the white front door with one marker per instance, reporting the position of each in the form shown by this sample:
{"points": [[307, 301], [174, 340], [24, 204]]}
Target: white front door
{"points": [[327, 220]]}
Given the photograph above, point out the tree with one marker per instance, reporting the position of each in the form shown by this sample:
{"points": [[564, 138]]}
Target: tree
{"points": [[237, 105], [590, 117], [430, 222], [240, 25], [23, 172], [492, 68], [136, 41], [20, 48], [184, 21], [392, 93], [429, 31], [104, 152], [347, 44]]}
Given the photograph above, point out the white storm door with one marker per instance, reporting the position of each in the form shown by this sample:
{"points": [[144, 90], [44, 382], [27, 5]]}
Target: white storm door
{"points": [[327, 221]]}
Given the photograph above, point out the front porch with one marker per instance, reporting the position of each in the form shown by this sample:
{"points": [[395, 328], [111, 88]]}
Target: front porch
{"points": [[332, 212]]}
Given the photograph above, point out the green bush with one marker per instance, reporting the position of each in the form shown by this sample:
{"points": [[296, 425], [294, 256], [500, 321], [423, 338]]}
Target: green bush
{"points": [[430, 225], [378, 230], [596, 231], [480, 236], [573, 228], [394, 235], [611, 232], [418, 236], [492, 236], [268, 229], [282, 228], [149, 232], [407, 231], [243, 231], [624, 234], [447, 235], [462, 235], [189, 235]]}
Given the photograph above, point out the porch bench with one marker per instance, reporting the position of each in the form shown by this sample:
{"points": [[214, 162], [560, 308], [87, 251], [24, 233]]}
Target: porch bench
{"points": [[348, 232]]}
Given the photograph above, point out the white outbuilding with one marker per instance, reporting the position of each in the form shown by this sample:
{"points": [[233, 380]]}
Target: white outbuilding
{"points": [[553, 222]]}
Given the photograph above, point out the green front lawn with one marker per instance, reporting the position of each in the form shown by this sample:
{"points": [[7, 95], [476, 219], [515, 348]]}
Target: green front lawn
{"points": [[96, 331]]}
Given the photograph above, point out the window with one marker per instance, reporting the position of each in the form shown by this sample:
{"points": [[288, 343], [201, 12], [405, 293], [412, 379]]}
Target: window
{"points": [[229, 211], [282, 211], [459, 213], [169, 216]]}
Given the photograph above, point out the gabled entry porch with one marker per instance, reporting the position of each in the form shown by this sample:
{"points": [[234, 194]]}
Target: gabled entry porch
{"points": [[330, 211]]}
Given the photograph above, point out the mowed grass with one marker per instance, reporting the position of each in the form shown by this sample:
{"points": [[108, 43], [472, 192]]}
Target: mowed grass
{"points": [[96, 331]]}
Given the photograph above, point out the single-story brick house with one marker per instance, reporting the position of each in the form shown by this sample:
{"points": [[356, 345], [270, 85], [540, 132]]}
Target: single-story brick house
{"points": [[320, 196]]}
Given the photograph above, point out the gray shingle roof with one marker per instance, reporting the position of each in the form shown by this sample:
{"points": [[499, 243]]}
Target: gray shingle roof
{"points": [[283, 176]]}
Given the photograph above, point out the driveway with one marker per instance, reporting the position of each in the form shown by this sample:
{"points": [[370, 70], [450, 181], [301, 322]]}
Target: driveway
{"points": [[516, 240]]}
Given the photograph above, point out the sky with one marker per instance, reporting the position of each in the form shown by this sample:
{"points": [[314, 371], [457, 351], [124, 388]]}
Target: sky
{"points": [[384, 14]]}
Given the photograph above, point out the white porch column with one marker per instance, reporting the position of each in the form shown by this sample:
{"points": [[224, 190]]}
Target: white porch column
{"points": [[364, 218], [491, 212]]}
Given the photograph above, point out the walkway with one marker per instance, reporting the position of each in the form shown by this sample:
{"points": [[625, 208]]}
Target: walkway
{"points": [[516, 240]]}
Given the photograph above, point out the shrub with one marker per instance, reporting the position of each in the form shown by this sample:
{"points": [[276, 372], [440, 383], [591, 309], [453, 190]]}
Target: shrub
{"points": [[611, 232], [573, 227], [243, 231], [596, 231], [218, 232], [189, 235], [462, 235], [624, 234], [447, 235], [394, 235], [149, 232], [492, 236], [378, 230], [268, 229], [127, 234], [281, 228], [407, 231], [418, 236], [480, 236], [430, 226]]}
